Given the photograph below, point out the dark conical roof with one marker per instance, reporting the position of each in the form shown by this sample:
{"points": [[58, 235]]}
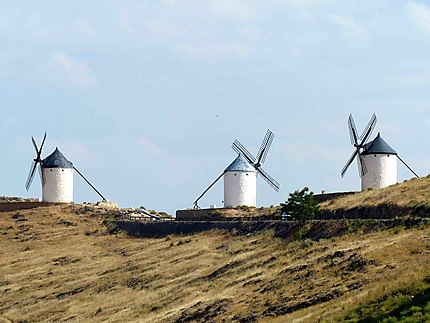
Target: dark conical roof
{"points": [[56, 160], [378, 146], [240, 164]]}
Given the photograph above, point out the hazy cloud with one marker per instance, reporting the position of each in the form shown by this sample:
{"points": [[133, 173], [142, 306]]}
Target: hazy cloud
{"points": [[74, 71], [233, 9], [84, 28], [419, 14], [410, 79], [306, 4], [146, 21], [25, 24], [214, 51], [150, 148], [77, 152], [128, 17], [349, 26]]}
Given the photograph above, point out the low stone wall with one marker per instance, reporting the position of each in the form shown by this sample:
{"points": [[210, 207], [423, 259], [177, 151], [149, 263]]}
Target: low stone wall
{"points": [[15, 206], [197, 215], [330, 196]]}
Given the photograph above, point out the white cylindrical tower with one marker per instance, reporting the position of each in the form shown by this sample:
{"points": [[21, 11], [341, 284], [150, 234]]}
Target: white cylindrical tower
{"points": [[240, 183], [57, 178], [381, 163]]}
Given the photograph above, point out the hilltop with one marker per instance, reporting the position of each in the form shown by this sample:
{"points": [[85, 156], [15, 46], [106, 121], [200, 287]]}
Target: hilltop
{"points": [[409, 194], [63, 263]]}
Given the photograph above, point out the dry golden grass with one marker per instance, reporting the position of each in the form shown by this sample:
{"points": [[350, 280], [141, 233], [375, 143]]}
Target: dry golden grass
{"points": [[60, 266], [412, 193]]}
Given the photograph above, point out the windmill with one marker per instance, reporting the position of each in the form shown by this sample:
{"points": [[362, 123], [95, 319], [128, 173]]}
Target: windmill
{"points": [[377, 162], [240, 176], [56, 175]]}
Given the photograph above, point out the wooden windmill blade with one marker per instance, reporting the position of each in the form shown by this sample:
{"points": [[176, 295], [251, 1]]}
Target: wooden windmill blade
{"points": [[359, 144], [35, 163], [269, 179], [265, 146], [30, 175], [240, 149], [352, 131], [261, 157]]}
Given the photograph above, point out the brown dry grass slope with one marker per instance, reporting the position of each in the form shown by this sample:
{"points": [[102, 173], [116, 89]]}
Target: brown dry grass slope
{"points": [[411, 193], [57, 265]]}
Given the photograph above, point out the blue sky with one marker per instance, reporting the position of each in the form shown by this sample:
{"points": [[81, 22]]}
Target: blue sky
{"points": [[146, 97]]}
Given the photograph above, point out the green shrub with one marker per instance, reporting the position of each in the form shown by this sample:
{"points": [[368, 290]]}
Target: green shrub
{"points": [[301, 206]]}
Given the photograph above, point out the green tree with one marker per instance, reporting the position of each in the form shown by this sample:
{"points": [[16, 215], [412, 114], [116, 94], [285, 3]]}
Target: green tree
{"points": [[301, 206]]}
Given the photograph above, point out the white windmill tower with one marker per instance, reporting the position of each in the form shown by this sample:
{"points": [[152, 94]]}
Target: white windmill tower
{"points": [[240, 183], [56, 174], [377, 161], [240, 177]]}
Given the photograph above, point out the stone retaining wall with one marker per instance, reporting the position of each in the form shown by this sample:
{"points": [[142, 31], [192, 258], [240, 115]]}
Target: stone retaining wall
{"points": [[330, 196], [383, 212], [282, 229], [162, 229]]}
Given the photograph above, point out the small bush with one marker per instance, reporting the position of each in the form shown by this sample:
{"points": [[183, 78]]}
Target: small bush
{"points": [[301, 206]]}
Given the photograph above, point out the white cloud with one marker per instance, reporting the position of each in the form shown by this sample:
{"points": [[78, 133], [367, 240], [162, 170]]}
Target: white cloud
{"points": [[127, 18], [232, 9], [77, 152], [8, 120], [214, 51], [171, 4], [411, 79], [150, 21], [74, 71], [419, 14], [306, 3], [84, 28], [301, 152], [31, 25], [149, 146], [349, 26], [411, 73]]}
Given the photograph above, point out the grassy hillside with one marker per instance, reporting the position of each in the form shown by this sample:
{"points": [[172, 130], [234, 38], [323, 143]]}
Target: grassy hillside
{"points": [[412, 193], [59, 264]]}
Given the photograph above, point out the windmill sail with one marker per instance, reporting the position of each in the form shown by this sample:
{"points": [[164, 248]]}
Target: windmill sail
{"points": [[30, 175], [358, 142], [35, 163], [240, 149], [261, 157]]}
